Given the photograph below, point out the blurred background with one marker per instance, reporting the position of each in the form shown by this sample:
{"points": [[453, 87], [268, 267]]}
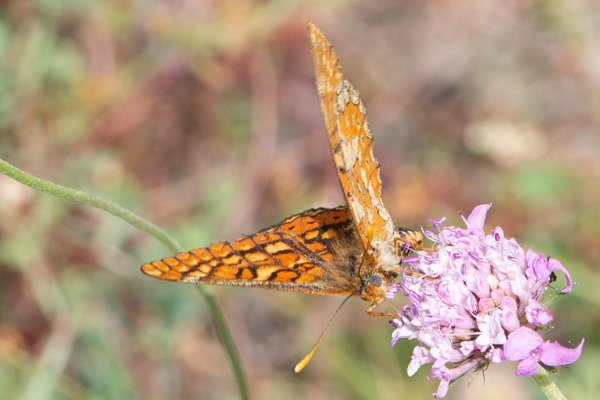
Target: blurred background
{"points": [[202, 116]]}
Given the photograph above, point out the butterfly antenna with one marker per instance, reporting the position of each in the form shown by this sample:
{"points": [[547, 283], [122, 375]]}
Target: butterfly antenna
{"points": [[300, 366]]}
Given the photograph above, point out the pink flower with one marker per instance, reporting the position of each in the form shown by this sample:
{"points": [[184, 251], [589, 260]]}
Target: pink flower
{"points": [[476, 300]]}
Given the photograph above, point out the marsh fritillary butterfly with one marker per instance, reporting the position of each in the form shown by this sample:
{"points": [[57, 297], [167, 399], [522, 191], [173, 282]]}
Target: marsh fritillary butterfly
{"points": [[347, 250]]}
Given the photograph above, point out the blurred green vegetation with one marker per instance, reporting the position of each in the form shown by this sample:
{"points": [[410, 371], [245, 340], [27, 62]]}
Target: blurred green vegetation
{"points": [[203, 117]]}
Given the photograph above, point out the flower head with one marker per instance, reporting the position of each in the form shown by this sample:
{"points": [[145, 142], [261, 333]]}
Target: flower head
{"points": [[475, 300]]}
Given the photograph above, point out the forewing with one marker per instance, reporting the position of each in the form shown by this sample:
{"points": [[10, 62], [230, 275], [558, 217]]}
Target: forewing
{"points": [[308, 253], [351, 144]]}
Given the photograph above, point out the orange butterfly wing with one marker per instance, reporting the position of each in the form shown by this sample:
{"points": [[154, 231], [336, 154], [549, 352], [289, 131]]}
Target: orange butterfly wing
{"points": [[311, 252], [351, 144]]}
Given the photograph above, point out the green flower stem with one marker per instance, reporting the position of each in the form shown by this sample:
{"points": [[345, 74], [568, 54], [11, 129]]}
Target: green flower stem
{"points": [[549, 388], [161, 235], [92, 200]]}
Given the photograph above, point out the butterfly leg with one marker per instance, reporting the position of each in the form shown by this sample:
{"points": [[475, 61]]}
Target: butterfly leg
{"points": [[379, 314]]}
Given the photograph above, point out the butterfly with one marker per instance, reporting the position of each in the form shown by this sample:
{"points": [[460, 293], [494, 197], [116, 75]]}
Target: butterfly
{"points": [[352, 250]]}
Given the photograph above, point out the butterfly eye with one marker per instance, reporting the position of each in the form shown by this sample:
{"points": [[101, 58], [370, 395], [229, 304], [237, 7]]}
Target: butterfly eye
{"points": [[375, 280]]}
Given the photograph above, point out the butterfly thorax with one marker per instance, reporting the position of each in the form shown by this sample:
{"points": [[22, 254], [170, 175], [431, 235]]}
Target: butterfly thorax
{"points": [[383, 263]]}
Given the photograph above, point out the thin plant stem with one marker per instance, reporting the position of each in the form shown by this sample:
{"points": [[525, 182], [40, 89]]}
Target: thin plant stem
{"points": [[137, 221], [89, 199], [549, 388]]}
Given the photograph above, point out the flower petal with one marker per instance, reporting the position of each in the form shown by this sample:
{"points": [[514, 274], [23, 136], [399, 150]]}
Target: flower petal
{"points": [[495, 355], [554, 354], [477, 217], [442, 389], [537, 314], [446, 375], [554, 265], [521, 343], [419, 358], [528, 366], [509, 318]]}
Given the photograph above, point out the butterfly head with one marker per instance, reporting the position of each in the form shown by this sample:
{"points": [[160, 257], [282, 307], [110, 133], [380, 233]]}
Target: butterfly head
{"points": [[376, 285], [387, 262]]}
